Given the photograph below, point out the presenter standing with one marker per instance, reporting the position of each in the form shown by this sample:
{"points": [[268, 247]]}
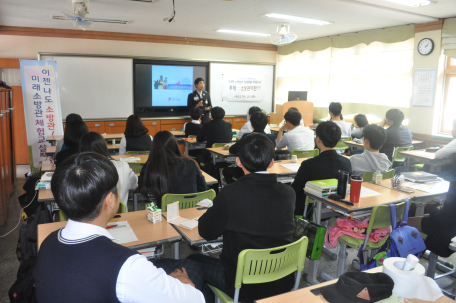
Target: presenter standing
{"points": [[201, 99]]}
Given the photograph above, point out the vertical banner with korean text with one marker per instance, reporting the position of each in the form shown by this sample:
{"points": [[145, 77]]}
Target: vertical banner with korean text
{"points": [[43, 116], [244, 88]]}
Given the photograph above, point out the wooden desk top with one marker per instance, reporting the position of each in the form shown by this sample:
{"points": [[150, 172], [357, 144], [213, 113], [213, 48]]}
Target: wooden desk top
{"points": [[362, 145], [148, 234], [420, 153], [113, 146], [193, 141], [177, 133], [105, 136], [143, 157], [50, 149], [46, 166], [277, 168], [191, 236], [440, 187], [220, 151], [209, 179]]}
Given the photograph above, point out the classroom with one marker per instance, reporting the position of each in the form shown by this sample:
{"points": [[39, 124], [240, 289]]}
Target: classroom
{"points": [[228, 151]]}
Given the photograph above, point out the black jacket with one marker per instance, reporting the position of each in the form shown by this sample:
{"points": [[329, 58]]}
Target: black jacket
{"points": [[192, 129], [253, 213], [66, 153], [396, 136], [233, 148], [216, 131], [324, 166], [192, 102]]}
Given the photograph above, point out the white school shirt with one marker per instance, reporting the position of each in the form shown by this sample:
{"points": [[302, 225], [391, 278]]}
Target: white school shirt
{"points": [[123, 146], [446, 151], [138, 280], [345, 128], [127, 179], [299, 138], [247, 129]]}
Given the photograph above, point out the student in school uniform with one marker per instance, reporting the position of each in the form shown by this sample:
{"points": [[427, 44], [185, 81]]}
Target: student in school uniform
{"points": [[324, 166], [296, 137], [136, 136], [256, 212], [194, 127], [200, 99], [301, 123], [168, 171], [69, 119], [94, 142], [259, 122], [371, 160], [81, 263], [74, 131], [359, 125], [335, 112], [396, 135], [247, 127], [447, 151]]}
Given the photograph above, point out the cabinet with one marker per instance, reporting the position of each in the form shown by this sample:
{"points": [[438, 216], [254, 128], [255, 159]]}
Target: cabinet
{"points": [[229, 120], [115, 127], [98, 127], [19, 131], [238, 123], [153, 126], [173, 125]]}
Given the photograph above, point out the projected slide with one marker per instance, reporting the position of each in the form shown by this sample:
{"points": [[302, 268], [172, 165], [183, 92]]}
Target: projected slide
{"points": [[171, 85]]}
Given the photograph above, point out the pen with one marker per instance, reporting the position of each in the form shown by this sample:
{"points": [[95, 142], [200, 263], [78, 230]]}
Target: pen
{"points": [[111, 226]]}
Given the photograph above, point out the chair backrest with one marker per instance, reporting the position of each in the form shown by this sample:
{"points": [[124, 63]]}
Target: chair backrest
{"points": [[144, 152], [397, 157], [367, 177], [136, 167], [219, 144], [305, 153], [192, 136], [341, 144], [266, 265], [381, 216], [33, 169], [186, 200]]}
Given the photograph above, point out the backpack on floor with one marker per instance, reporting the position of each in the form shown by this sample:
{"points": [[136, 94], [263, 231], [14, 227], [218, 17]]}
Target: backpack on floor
{"points": [[23, 290]]}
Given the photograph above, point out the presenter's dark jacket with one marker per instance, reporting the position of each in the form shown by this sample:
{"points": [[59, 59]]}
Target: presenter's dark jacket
{"points": [[191, 103], [255, 212], [396, 136]]}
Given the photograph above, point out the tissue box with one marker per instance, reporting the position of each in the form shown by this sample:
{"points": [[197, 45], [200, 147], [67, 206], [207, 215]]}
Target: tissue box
{"points": [[153, 213], [377, 177]]}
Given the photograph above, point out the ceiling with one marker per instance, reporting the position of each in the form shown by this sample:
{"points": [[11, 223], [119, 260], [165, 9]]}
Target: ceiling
{"points": [[200, 18]]}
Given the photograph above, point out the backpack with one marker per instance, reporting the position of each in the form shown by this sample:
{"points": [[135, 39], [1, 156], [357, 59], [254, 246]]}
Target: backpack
{"points": [[23, 290], [405, 239]]}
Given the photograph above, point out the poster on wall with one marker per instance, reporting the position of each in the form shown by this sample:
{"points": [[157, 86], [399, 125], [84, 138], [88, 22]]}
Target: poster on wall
{"points": [[43, 116], [250, 88], [424, 87]]}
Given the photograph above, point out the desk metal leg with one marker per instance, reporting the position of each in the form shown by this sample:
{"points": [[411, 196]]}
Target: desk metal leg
{"points": [[175, 250], [313, 264], [135, 202], [407, 163], [186, 148], [419, 209]]}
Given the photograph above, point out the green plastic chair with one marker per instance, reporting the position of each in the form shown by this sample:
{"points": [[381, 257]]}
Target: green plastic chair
{"points": [[256, 266], [219, 144], [33, 169], [367, 177], [305, 153], [144, 152], [341, 144], [192, 136], [380, 217], [136, 167], [186, 200], [122, 210], [397, 157]]}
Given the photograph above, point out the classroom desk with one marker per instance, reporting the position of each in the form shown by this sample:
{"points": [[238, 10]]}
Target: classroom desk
{"points": [[46, 166], [192, 144], [352, 144], [148, 234], [54, 139], [423, 156], [50, 150], [142, 157]]}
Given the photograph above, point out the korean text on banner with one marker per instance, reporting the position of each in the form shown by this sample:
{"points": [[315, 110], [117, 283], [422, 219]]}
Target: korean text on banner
{"points": [[244, 88], [43, 116]]}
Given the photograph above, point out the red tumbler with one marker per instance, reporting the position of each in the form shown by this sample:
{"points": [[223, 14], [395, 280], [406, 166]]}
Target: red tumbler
{"points": [[355, 188]]}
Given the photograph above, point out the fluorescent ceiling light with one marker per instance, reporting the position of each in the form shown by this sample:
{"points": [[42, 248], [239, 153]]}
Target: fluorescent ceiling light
{"points": [[241, 33], [299, 19], [93, 20], [414, 3]]}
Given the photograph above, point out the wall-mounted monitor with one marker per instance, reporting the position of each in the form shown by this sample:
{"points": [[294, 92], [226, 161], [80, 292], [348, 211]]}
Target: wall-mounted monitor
{"points": [[297, 95]]}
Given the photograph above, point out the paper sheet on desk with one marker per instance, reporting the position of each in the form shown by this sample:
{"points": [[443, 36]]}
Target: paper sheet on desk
{"points": [[123, 233], [292, 166], [420, 186], [130, 159], [366, 192]]}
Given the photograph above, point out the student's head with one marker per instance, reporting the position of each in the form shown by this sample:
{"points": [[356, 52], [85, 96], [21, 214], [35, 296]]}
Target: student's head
{"points": [[195, 113], [94, 142], [73, 133], [259, 121], [394, 117], [293, 117], [328, 134], [199, 83], [253, 110], [361, 120], [135, 127], [84, 187], [374, 136], [72, 117], [255, 153], [335, 109], [217, 113]]}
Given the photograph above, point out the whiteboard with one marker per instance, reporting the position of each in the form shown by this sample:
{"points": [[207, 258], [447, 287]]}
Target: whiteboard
{"points": [[94, 87], [217, 70]]}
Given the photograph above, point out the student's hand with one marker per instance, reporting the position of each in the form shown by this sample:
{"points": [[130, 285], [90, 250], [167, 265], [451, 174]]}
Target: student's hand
{"points": [[199, 104], [182, 276], [284, 127], [207, 108]]}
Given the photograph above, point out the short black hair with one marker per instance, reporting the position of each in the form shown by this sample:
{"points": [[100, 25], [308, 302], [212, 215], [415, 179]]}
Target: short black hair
{"points": [[254, 109], [395, 115], [376, 136], [259, 121], [95, 143], [195, 113], [217, 113], [361, 120], [198, 80], [73, 133], [329, 133], [73, 117], [80, 184], [135, 127], [335, 108], [293, 116], [255, 152]]}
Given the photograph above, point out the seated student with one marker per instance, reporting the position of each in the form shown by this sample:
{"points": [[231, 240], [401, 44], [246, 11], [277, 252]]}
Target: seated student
{"points": [[297, 137], [69, 119], [94, 142], [359, 125], [396, 135], [371, 160], [74, 131], [301, 123], [136, 137], [168, 171], [446, 151], [253, 213], [335, 112], [324, 166], [247, 128], [194, 127], [81, 263], [259, 121]]}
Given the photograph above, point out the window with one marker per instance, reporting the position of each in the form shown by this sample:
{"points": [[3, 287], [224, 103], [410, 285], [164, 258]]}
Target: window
{"points": [[449, 101]]}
